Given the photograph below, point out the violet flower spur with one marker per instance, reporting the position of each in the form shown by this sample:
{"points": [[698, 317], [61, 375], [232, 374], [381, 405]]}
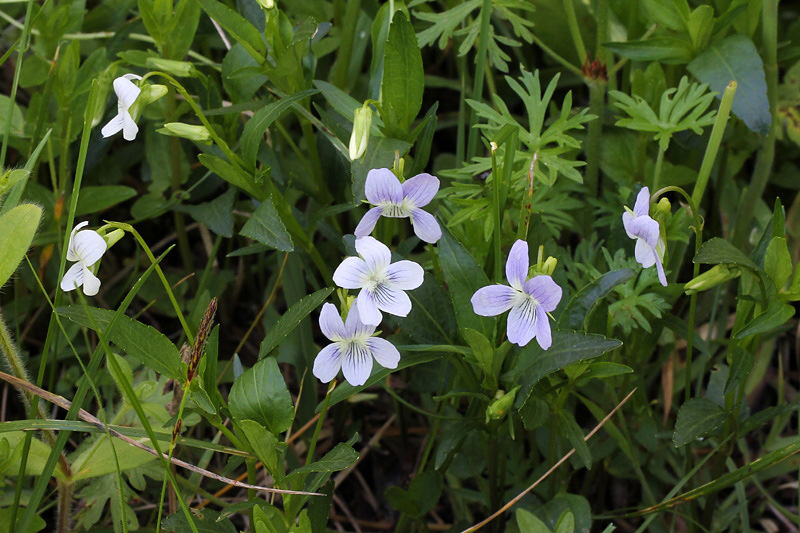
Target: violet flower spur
{"points": [[352, 349], [647, 233], [382, 284], [528, 299], [396, 200]]}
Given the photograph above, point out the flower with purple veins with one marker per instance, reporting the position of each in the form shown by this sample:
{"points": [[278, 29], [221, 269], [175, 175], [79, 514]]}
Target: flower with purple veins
{"points": [[528, 299], [396, 200], [352, 349], [647, 233], [382, 282]]}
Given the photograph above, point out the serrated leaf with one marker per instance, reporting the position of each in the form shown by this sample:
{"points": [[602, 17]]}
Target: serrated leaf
{"points": [[403, 77], [291, 319], [697, 418], [581, 305], [266, 227], [777, 314], [341, 457], [232, 175], [17, 229], [715, 251], [735, 58], [144, 343], [778, 262], [216, 214], [260, 394]]}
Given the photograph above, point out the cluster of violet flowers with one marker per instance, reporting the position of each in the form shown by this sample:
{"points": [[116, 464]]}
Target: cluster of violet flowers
{"points": [[381, 283]]}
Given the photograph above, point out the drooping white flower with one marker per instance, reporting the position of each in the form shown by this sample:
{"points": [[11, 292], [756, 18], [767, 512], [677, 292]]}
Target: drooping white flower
{"points": [[85, 248], [382, 284], [353, 347], [127, 92], [639, 225], [528, 299]]}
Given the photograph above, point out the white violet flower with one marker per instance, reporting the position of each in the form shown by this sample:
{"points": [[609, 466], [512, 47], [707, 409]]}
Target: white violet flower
{"points": [[647, 233], [85, 248], [382, 284], [127, 92], [352, 349]]}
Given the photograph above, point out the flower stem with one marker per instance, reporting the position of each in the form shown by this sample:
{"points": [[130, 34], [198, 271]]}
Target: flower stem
{"points": [[713, 143], [480, 67], [574, 30], [23, 45], [657, 172]]}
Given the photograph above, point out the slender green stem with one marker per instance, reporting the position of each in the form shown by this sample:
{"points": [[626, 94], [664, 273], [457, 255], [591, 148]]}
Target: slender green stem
{"points": [[552, 53], [23, 45], [461, 134], [349, 25], [657, 172], [496, 183], [477, 85], [713, 143], [313, 444], [574, 30]]}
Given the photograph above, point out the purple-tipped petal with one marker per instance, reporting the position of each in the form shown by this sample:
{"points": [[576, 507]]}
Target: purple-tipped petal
{"points": [[522, 323], [352, 273], [425, 226], [375, 253], [331, 323], [382, 186], [327, 363], [645, 228], [393, 301], [421, 189], [645, 254], [368, 308], [545, 291], [493, 300], [405, 275], [354, 326], [662, 277], [517, 264], [384, 352], [642, 206], [356, 364], [368, 222], [543, 335]]}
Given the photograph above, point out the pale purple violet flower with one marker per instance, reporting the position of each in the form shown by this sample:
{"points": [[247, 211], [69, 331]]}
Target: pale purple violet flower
{"points": [[645, 230], [528, 299], [352, 349], [396, 200], [381, 283]]}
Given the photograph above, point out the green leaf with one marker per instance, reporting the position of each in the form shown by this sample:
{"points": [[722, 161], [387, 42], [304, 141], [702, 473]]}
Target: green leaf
{"points": [[432, 319], [534, 412], [268, 519], [216, 214], [17, 229], [715, 251], [570, 429], [262, 119], [584, 301], [566, 523], [232, 175], [568, 347], [668, 50], [260, 394], [267, 447], [777, 314], [697, 418], [144, 343], [238, 27], [670, 14], [528, 523], [96, 199], [291, 319], [266, 227], [483, 352], [603, 370], [206, 521], [463, 277], [422, 495], [37, 524], [403, 77], [341, 457], [778, 262], [735, 58]]}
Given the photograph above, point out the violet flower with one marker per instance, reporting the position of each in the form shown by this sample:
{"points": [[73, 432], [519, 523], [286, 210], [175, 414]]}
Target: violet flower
{"points": [[353, 348], [528, 299], [396, 200], [646, 231]]}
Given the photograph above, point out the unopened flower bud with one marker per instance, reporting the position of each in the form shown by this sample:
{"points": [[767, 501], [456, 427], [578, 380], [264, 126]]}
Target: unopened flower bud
{"points": [[112, 237], [187, 131], [360, 136], [713, 277], [150, 93], [498, 409], [267, 4]]}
